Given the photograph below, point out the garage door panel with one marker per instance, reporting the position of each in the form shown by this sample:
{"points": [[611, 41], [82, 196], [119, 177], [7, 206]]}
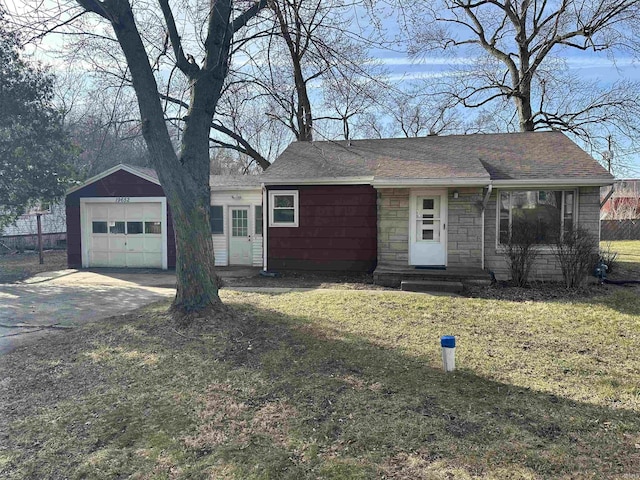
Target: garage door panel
{"points": [[135, 244], [153, 244], [100, 259], [132, 238], [100, 211], [117, 243], [135, 211], [100, 243]]}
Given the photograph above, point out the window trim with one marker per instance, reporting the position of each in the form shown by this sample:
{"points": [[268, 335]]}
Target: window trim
{"points": [[258, 219], [541, 246], [275, 193], [221, 207]]}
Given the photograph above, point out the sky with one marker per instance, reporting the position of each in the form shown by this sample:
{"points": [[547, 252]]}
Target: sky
{"points": [[587, 66], [402, 70]]}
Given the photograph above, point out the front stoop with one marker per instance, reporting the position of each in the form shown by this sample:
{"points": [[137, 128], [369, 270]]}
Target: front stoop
{"points": [[431, 286], [394, 276]]}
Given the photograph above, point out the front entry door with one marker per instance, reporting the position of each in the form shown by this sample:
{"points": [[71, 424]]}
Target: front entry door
{"points": [[427, 229], [240, 236]]}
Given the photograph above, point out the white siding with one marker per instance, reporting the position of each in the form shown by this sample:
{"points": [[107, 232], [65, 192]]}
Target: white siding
{"points": [[54, 222], [225, 198], [257, 251], [220, 249]]}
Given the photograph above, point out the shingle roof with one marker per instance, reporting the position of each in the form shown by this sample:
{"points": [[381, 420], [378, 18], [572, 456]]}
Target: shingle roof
{"points": [[149, 172], [235, 180], [214, 180], [507, 156]]}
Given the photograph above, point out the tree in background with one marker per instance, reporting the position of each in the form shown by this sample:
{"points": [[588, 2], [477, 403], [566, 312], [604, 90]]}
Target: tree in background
{"points": [[101, 121], [311, 65], [35, 152], [512, 63]]}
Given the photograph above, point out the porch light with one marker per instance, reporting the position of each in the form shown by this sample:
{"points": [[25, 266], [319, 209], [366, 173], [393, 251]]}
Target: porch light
{"points": [[455, 194]]}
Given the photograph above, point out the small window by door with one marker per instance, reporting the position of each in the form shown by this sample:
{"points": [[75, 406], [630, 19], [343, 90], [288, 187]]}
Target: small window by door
{"points": [[216, 219]]}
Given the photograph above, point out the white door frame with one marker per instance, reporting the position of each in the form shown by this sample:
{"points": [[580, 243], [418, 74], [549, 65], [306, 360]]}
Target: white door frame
{"points": [[444, 219], [250, 231], [85, 227]]}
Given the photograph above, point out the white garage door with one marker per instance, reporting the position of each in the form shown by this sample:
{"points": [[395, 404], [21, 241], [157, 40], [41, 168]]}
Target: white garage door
{"points": [[124, 234]]}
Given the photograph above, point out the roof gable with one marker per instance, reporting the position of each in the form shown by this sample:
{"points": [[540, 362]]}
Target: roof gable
{"points": [[145, 173]]}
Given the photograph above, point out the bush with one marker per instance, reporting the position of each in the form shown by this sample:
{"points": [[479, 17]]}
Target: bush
{"points": [[577, 255], [608, 257], [521, 251]]}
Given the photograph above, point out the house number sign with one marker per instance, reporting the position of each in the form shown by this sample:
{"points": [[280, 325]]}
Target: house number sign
{"points": [[122, 200]]}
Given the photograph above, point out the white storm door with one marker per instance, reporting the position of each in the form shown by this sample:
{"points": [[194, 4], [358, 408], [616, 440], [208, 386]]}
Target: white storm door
{"points": [[427, 229], [240, 245]]}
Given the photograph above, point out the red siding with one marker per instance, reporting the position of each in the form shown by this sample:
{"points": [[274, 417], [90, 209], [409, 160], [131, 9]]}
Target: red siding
{"points": [[118, 184], [336, 230]]}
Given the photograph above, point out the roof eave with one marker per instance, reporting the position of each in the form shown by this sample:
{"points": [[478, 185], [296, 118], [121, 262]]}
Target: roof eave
{"points": [[319, 181], [224, 188], [431, 182], [573, 182], [108, 172]]}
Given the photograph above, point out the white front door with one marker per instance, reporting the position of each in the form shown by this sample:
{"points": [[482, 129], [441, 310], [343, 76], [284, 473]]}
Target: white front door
{"points": [[427, 228], [239, 236]]}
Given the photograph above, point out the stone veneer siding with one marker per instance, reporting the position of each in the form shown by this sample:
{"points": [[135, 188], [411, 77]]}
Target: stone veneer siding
{"points": [[546, 267], [393, 227], [463, 227]]}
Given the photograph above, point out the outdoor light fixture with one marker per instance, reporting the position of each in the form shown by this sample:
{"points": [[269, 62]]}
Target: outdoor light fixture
{"points": [[236, 197], [455, 194]]}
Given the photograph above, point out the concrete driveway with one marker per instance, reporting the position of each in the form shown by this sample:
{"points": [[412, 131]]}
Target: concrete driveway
{"points": [[71, 297]]}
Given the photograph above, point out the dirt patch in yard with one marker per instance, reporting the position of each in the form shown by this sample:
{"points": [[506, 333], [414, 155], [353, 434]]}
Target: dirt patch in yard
{"points": [[536, 292], [343, 280], [15, 267]]}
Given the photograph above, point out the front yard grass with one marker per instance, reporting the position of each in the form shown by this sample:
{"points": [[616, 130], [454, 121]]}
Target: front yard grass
{"points": [[334, 385], [627, 265]]}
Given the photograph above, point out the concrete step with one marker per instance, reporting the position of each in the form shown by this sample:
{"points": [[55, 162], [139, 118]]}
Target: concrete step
{"points": [[431, 286]]}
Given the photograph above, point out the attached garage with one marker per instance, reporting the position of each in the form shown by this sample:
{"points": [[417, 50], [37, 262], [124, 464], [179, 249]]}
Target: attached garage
{"points": [[120, 219]]}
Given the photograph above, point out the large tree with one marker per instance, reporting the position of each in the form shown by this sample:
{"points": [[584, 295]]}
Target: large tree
{"points": [[518, 51], [183, 171], [35, 152]]}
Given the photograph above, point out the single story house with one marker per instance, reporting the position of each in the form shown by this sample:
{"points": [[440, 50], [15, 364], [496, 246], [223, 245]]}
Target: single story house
{"points": [[23, 233], [390, 205], [418, 203]]}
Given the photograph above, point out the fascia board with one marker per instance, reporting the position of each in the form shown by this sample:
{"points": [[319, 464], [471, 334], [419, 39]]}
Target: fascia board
{"points": [[319, 181], [219, 189], [108, 172], [432, 182], [555, 182]]}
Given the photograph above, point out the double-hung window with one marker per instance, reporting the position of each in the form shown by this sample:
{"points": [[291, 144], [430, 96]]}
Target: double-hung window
{"points": [[216, 219], [283, 208], [549, 213]]}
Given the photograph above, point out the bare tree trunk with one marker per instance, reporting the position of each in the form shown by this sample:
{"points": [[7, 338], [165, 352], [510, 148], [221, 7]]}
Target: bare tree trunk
{"points": [[525, 115], [184, 180], [304, 114]]}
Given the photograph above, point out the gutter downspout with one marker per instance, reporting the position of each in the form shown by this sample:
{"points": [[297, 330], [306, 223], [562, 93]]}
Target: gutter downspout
{"points": [[265, 227], [485, 200]]}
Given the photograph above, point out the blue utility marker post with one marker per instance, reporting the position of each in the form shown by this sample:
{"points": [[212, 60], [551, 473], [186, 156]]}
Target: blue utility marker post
{"points": [[448, 344]]}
